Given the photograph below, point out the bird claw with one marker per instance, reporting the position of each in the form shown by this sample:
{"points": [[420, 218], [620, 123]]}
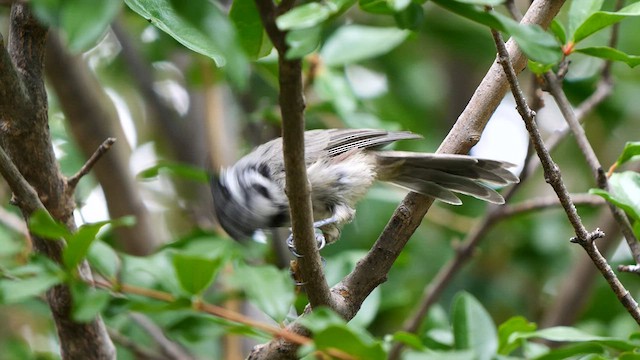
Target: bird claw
{"points": [[320, 241]]}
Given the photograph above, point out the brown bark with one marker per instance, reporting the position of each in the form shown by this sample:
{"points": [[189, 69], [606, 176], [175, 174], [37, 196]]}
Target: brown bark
{"points": [[24, 133], [92, 119]]}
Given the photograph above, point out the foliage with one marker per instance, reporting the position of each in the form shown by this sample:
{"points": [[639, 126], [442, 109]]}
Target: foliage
{"points": [[394, 64]]}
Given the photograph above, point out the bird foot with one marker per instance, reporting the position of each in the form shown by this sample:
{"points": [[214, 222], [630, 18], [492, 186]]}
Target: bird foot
{"points": [[320, 241]]}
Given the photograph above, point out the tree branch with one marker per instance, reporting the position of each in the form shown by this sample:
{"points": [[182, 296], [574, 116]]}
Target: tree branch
{"points": [[25, 137], [297, 185], [72, 181], [599, 173], [372, 269], [92, 118], [553, 177]]}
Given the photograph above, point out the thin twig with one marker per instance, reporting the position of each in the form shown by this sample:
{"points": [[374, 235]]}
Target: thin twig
{"points": [[513, 10], [169, 349], [588, 152], [133, 346], [208, 308], [554, 178], [546, 202], [72, 181]]}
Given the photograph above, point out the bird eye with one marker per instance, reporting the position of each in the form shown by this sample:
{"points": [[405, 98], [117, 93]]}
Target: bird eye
{"points": [[262, 190]]}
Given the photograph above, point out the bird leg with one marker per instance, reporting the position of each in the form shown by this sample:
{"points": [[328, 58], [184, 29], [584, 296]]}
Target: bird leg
{"points": [[326, 230]]}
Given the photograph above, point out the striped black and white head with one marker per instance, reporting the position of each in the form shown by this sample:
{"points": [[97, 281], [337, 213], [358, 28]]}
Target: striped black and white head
{"points": [[247, 199]]}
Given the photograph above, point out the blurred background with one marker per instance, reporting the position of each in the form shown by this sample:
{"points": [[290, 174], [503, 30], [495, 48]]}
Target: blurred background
{"points": [[176, 116]]}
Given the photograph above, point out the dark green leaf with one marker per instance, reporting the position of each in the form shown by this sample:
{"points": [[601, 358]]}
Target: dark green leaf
{"points": [[87, 301], [78, 244], [270, 289], [517, 324], [473, 328], [251, 35], [83, 22], [411, 17], [602, 19], [624, 192], [194, 272], [536, 43], [608, 53], [181, 170], [302, 42], [43, 225], [210, 34], [630, 150], [354, 43]]}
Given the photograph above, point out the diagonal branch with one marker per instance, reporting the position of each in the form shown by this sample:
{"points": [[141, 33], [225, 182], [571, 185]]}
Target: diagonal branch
{"points": [[72, 181], [586, 148], [553, 177]]}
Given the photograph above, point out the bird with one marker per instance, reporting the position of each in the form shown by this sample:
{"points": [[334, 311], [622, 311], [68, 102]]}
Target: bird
{"points": [[342, 164]]}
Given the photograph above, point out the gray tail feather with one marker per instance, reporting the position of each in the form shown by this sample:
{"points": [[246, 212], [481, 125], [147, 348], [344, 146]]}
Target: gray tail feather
{"points": [[440, 175]]}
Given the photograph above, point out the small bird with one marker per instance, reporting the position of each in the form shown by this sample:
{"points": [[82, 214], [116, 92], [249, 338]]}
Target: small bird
{"points": [[341, 166]]}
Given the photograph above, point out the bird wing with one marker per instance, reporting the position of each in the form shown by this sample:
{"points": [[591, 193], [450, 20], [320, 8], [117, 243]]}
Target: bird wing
{"points": [[344, 140]]}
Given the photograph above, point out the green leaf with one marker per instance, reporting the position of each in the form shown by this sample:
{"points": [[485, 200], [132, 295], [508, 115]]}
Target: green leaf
{"points": [[631, 149], [302, 42], [579, 11], [104, 259], [195, 273], [78, 244], [473, 328], [538, 68], [398, 5], [376, 7], [624, 192], [536, 43], [87, 301], [608, 53], [409, 339], [210, 34], [516, 324], [251, 35], [43, 225], [268, 288], [181, 170], [354, 43], [307, 15], [410, 18], [83, 22], [602, 19], [569, 351], [482, 2], [331, 331], [570, 334], [30, 280], [558, 30]]}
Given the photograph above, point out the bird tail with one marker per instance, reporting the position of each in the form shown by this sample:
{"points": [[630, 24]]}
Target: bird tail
{"points": [[440, 175]]}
